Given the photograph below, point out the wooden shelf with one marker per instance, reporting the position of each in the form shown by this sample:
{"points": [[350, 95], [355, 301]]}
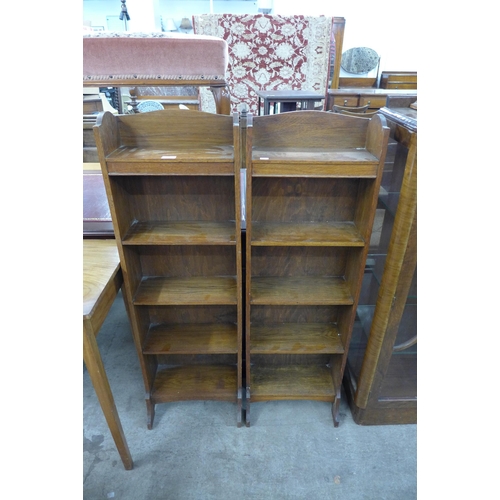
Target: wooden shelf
{"points": [[198, 290], [296, 338], [192, 339], [306, 234], [175, 161], [300, 290], [195, 382], [309, 382], [178, 154], [181, 233], [317, 162]]}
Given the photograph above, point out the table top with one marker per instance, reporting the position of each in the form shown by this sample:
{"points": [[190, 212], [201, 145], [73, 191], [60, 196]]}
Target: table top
{"points": [[299, 94], [100, 265], [407, 117]]}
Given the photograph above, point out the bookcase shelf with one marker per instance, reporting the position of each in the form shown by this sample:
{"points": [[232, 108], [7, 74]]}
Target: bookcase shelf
{"points": [[312, 180], [173, 183]]}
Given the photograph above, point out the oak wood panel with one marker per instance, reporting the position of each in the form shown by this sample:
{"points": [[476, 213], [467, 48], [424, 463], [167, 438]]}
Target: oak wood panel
{"points": [[295, 338], [299, 261], [262, 314], [169, 128], [186, 260], [287, 130], [198, 382], [302, 290], [174, 154], [306, 234], [200, 338], [162, 167], [302, 199], [200, 290], [181, 233], [292, 383], [174, 198]]}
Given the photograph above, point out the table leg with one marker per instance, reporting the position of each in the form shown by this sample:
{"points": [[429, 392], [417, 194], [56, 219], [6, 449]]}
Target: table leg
{"points": [[95, 367]]}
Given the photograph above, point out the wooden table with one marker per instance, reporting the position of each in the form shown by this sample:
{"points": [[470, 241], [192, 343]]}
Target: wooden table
{"points": [[102, 279], [291, 97]]}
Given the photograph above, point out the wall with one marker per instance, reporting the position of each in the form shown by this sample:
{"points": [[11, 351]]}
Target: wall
{"points": [[384, 26]]}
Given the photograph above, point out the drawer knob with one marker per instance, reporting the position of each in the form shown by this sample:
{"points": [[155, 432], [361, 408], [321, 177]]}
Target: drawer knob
{"points": [[345, 102]]}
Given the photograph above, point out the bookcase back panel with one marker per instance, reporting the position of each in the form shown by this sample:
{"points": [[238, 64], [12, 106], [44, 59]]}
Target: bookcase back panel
{"points": [[185, 261], [175, 128], [293, 314], [196, 359], [192, 314], [290, 359], [177, 198], [292, 130], [299, 261], [297, 199]]}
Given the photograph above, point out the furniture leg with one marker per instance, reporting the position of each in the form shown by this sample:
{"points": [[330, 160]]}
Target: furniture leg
{"points": [[239, 413], [247, 411], [335, 411], [100, 382], [222, 100], [150, 407]]}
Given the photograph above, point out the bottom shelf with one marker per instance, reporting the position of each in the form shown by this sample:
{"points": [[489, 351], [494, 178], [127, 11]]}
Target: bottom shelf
{"points": [[310, 382], [198, 382]]}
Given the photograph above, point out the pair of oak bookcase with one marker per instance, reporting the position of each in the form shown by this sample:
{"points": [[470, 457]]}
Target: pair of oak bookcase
{"points": [[225, 307]]}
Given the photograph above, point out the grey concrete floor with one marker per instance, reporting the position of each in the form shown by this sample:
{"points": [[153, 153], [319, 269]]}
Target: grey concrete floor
{"points": [[196, 451]]}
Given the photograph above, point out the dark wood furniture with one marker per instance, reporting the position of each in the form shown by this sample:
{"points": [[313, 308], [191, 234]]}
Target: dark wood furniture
{"points": [[173, 181], [97, 222], [102, 279], [357, 81], [374, 98], [338, 30], [398, 80], [288, 99], [311, 191], [381, 375]]}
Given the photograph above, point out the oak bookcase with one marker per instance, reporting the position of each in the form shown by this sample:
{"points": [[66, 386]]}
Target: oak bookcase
{"points": [[172, 179], [312, 184]]}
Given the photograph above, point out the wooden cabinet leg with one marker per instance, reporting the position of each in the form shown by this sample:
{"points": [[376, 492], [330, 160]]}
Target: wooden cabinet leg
{"points": [[335, 411], [150, 407], [239, 414], [95, 367], [247, 410]]}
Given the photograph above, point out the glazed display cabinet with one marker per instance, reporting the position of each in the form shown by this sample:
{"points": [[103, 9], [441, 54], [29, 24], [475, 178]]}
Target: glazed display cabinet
{"points": [[381, 375]]}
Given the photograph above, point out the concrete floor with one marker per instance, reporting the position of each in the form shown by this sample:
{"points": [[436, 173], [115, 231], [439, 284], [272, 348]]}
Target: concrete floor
{"points": [[195, 450]]}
